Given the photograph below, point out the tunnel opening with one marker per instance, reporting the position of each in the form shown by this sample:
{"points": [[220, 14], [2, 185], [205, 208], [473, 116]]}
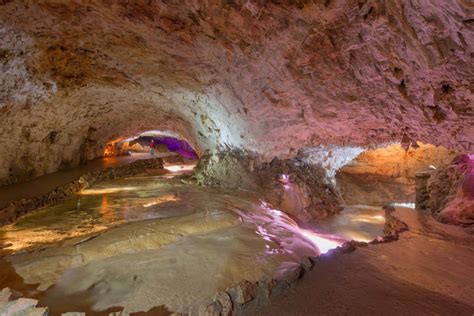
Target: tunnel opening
{"points": [[388, 174], [152, 142]]}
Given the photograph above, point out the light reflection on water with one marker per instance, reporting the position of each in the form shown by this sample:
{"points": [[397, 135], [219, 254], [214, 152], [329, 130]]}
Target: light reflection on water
{"points": [[213, 236], [109, 204], [356, 222]]}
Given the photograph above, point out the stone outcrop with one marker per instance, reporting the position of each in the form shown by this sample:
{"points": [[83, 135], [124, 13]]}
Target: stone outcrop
{"points": [[393, 226], [304, 191], [13, 304], [422, 193], [18, 208], [451, 192], [231, 169], [266, 76]]}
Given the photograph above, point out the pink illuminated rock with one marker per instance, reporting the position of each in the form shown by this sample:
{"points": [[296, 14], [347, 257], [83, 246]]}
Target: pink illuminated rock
{"points": [[451, 192], [271, 76]]}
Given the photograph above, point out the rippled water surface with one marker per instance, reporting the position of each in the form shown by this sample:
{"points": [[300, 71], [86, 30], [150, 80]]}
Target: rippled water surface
{"points": [[142, 242]]}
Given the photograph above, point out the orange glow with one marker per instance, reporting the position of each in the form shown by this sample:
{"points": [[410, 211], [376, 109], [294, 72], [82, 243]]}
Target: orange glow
{"points": [[162, 199], [369, 218], [105, 211], [106, 190], [111, 149]]}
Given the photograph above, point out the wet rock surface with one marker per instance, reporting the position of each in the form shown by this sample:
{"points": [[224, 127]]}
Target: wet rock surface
{"points": [[198, 245], [248, 297], [10, 304], [418, 284]]}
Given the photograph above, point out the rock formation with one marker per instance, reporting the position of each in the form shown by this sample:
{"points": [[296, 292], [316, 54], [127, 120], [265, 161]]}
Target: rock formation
{"points": [[304, 190], [388, 174], [450, 192], [267, 76]]}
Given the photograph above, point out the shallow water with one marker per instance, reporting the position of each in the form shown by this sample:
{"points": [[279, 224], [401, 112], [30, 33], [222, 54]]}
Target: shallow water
{"points": [[143, 242], [356, 222], [109, 204]]}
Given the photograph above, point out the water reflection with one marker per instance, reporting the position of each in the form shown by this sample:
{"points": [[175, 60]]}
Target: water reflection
{"points": [[106, 205], [356, 222], [107, 190], [182, 243]]}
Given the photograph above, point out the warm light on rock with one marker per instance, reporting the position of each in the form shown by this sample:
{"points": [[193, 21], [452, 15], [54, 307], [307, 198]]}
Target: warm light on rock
{"points": [[237, 157]]}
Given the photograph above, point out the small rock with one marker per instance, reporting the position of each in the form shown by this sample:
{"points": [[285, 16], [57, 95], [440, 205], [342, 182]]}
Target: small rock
{"points": [[22, 306], [348, 247], [307, 264], [293, 275], [8, 294], [224, 299], [244, 292]]}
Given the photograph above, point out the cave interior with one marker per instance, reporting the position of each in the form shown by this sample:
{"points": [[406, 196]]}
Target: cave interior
{"points": [[244, 157]]}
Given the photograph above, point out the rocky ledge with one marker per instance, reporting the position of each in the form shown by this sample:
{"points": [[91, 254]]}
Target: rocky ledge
{"points": [[15, 209]]}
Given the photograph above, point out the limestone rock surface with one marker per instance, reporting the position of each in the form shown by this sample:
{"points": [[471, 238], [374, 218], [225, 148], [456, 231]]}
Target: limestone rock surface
{"points": [[266, 76], [451, 192], [388, 174]]}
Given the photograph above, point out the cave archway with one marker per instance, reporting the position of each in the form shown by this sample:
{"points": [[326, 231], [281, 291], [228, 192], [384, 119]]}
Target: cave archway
{"points": [[164, 142], [388, 174]]}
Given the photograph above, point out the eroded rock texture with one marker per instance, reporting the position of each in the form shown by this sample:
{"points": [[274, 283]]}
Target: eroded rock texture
{"points": [[451, 192], [267, 76], [305, 191]]}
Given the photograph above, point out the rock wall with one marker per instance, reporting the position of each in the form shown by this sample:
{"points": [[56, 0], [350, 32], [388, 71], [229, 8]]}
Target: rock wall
{"points": [[304, 191], [266, 76], [396, 162], [451, 192], [387, 174]]}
